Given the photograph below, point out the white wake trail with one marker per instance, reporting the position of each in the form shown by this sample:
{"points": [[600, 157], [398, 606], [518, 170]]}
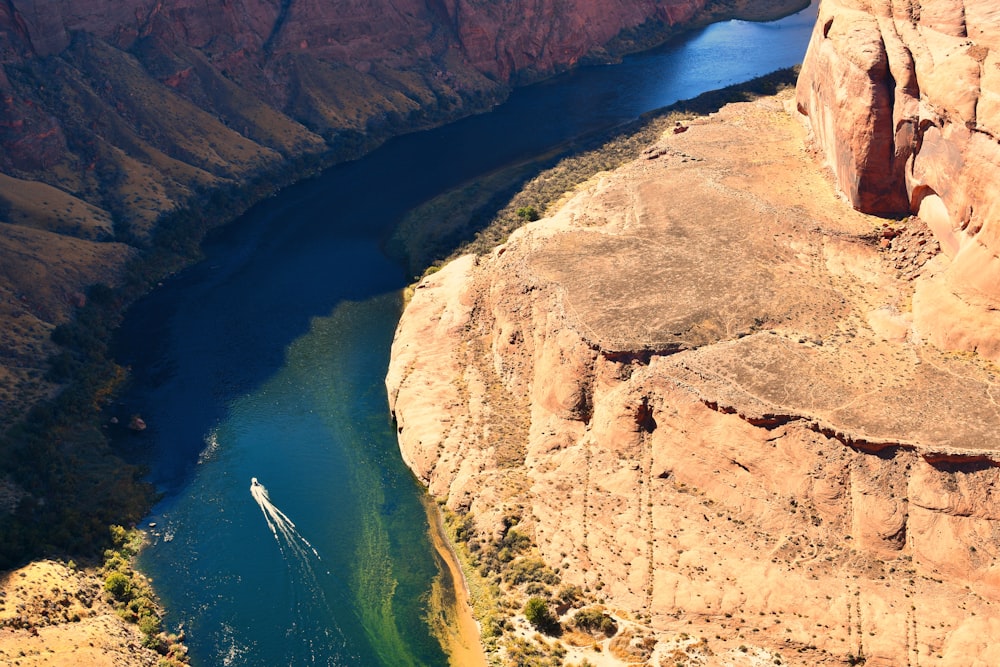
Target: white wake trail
{"points": [[302, 558], [281, 526]]}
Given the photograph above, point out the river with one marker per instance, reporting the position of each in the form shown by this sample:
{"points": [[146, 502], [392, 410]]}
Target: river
{"points": [[266, 361]]}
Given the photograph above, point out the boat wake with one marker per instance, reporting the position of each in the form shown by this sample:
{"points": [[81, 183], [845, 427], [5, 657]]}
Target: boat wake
{"points": [[303, 559], [283, 529]]}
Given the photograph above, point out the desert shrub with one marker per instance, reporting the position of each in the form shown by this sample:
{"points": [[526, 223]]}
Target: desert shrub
{"points": [[149, 625], [502, 551], [527, 570], [526, 653], [528, 213], [537, 611], [594, 620], [569, 594], [119, 585]]}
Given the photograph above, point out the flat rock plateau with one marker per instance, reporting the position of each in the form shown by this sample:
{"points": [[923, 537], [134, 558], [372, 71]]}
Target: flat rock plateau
{"points": [[698, 387]]}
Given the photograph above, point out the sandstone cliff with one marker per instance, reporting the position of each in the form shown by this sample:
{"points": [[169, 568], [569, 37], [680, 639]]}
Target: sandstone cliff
{"points": [[904, 100], [124, 122], [700, 390]]}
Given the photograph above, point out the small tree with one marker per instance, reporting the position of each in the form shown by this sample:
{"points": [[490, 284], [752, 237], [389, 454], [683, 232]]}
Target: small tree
{"points": [[537, 611], [528, 213], [118, 585], [594, 620]]}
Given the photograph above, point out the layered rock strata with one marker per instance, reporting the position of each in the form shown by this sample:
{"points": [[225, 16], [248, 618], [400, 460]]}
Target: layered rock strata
{"points": [[903, 99], [700, 388]]}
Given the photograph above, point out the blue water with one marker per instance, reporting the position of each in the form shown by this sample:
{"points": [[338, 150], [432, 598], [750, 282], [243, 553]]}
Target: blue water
{"points": [[267, 360]]}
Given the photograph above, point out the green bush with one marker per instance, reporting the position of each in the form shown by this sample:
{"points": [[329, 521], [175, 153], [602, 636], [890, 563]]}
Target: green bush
{"points": [[530, 570], [119, 585], [149, 625], [528, 213], [594, 620], [537, 611]]}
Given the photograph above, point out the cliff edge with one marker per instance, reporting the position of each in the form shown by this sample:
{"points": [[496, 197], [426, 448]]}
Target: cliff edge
{"points": [[698, 396]]}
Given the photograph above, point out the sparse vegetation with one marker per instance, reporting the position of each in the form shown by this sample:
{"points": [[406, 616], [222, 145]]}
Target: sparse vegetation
{"points": [[530, 570], [528, 213], [594, 621], [132, 596], [478, 216], [524, 653]]}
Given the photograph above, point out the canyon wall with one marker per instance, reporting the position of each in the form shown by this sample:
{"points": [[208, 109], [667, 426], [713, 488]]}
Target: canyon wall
{"points": [[903, 100], [187, 94], [699, 388], [118, 118]]}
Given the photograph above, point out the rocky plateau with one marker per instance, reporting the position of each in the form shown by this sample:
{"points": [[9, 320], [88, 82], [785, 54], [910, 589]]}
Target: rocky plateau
{"points": [[703, 388]]}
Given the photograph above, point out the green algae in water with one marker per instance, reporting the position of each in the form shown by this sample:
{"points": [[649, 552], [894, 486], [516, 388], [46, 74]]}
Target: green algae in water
{"points": [[395, 561], [319, 437]]}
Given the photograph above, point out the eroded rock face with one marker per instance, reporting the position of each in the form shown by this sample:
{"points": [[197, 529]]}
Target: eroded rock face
{"points": [[330, 67], [700, 388], [902, 98]]}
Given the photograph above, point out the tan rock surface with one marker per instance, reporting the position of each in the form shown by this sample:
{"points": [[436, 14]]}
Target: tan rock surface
{"points": [[701, 387], [904, 101], [52, 615], [149, 108]]}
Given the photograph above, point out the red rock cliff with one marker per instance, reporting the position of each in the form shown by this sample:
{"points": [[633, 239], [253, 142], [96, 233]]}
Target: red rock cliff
{"points": [[904, 100], [331, 67]]}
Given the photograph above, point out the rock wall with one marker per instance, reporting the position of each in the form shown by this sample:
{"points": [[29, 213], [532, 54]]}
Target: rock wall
{"points": [[314, 68], [698, 387], [903, 99]]}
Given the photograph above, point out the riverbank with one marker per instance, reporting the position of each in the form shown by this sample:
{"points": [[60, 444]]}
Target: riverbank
{"points": [[52, 614], [56, 613], [450, 603]]}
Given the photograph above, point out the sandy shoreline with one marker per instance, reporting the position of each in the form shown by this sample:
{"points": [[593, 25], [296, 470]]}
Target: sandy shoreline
{"points": [[455, 625]]}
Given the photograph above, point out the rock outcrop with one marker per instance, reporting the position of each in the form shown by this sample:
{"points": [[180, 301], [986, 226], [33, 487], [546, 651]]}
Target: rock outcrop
{"points": [[53, 614], [698, 386], [903, 99]]}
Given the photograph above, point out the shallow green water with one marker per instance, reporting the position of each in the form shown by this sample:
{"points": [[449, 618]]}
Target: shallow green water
{"points": [[317, 435]]}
